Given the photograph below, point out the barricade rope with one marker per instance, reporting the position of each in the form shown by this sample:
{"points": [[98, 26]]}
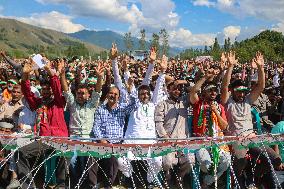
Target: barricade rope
{"points": [[88, 146]]}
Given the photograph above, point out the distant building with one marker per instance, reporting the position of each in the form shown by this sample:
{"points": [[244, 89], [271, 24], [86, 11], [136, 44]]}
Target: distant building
{"points": [[139, 54], [203, 58]]}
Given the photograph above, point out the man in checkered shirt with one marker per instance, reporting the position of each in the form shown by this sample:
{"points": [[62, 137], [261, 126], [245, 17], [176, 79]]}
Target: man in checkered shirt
{"points": [[108, 125]]}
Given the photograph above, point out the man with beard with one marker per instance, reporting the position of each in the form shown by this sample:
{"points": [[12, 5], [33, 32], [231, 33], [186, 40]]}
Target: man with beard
{"points": [[142, 124], [50, 122], [209, 119], [171, 122], [81, 108], [83, 105], [108, 128], [7, 93], [10, 110], [238, 105]]}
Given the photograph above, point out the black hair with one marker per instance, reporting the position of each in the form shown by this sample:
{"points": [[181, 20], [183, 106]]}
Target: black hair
{"points": [[144, 87], [238, 83], [44, 83], [82, 86], [170, 84]]}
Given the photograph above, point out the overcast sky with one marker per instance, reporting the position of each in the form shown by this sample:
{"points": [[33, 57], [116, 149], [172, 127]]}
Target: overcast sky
{"points": [[188, 22]]}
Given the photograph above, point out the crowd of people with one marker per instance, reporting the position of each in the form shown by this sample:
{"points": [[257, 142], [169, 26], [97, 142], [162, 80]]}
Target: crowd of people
{"points": [[106, 101]]}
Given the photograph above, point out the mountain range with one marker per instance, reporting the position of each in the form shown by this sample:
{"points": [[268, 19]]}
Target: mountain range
{"points": [[21, 39], [106, 38]]}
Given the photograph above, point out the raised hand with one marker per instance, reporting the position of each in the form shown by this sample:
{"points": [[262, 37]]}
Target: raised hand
{"points": [[259, 60], [2, 53], [231, 57], [113, 51], [253, 63], [223, 57], [153, 54], [99, 70], [48, 63], [28, 66], [223, 61], [130, 84], [164, 63], [60, 67], [107, 67], [125, 65], [210, 73], [48, 67]]}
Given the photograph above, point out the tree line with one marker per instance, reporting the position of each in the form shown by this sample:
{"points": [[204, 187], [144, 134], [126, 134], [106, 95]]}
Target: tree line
{"points": [[270, 43], [159, 40]]}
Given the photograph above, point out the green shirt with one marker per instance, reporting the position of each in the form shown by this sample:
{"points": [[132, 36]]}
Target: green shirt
{"points": [[279, 129]]}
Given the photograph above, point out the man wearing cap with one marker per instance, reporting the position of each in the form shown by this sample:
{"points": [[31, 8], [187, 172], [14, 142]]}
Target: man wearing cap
{"points": [[91, 82], [237, 102], [238, 106], [209, 119], [5, 129]]}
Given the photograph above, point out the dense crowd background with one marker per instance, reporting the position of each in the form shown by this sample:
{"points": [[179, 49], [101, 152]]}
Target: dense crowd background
{"points": [[151, 98]]}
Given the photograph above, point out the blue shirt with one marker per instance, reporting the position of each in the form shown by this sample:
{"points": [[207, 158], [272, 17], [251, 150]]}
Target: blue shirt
{"points": [[110, 123]]}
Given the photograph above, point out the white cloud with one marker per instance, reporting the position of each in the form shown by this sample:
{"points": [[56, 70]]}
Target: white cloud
{"points": [[249, 32], [153, 15], [279, 27], [232, 32], [109, 9], [52, 20], [268, 10], [272, 11], [203, 3], [225, 3], [184, 38], [263, 9]]}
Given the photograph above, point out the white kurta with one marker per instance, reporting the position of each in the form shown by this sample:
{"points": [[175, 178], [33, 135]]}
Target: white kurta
{"points": [[141, 124]]}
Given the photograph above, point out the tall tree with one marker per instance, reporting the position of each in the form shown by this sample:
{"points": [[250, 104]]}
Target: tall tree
{"points": [[226, 45], [216, 50], [206, 51], [155, 41], [128, 42], [142, 40], [216, 45], [164, 36], [229, 43]]}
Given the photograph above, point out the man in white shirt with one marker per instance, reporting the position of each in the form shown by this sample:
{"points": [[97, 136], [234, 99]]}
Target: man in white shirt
{"points": [[142, 124]]}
